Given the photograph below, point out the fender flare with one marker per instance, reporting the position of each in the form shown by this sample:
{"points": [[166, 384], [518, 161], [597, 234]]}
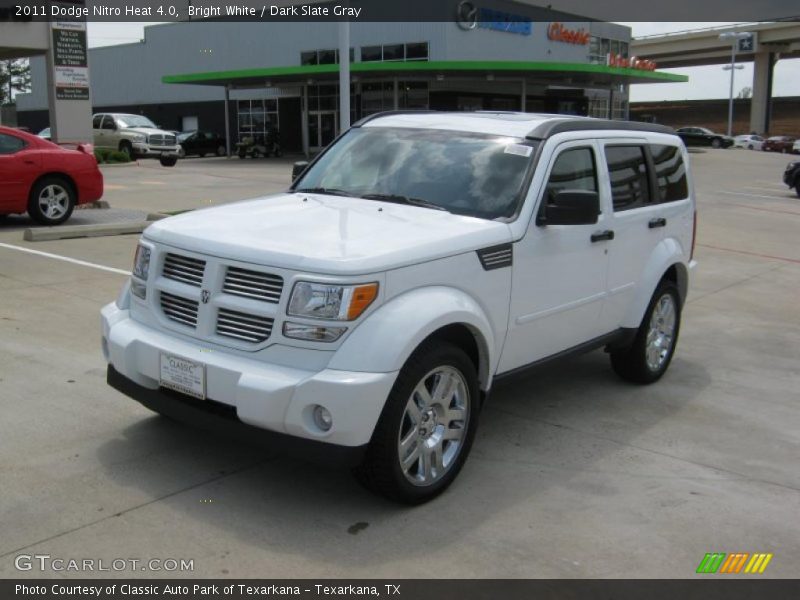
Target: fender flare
{"points": [[388, 336], [667, 253]]}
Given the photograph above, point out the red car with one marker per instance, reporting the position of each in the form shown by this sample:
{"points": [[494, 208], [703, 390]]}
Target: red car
{"points": [[43, 179], [778, 143]]}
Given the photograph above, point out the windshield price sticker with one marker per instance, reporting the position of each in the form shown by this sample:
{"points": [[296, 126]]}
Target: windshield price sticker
{"points": [[519, 150]]}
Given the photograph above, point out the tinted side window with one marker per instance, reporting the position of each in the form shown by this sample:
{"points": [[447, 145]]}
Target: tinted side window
{"points": [[10, 144], [670, 173], [108, 122], [627, 169], [573, 170], [96, 121]]}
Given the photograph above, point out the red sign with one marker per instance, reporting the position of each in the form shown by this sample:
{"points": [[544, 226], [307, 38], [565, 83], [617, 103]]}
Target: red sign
{"points": [[634, 62], [558, 33]]}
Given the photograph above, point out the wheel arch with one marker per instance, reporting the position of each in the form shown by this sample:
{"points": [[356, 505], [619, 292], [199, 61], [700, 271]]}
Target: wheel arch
{"points": [[60, 175], [413, 318], [666, 262]]}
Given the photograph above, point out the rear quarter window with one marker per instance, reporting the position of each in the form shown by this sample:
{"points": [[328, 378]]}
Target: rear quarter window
{"points": [[670, 171], [9, 144]]}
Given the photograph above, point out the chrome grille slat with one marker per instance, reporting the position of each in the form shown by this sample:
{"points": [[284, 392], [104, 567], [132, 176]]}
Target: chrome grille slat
{"points": [[184, 269], [243, 326], [253, 284], [181, 310]]}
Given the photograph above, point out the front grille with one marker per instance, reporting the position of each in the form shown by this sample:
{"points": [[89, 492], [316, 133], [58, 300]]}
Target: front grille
{"points": [[184, 269], [159, 139], [253, 284], [241, 326], [179, 309]]}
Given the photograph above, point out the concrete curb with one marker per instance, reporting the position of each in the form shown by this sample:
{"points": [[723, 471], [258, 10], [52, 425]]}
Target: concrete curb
{"points": [[65, 232]]}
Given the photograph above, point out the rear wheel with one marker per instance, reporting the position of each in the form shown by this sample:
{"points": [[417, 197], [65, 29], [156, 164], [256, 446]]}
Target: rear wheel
{"points": [[426, 430], [221, 151], [716, 143], [52, 201], [648, 358]]}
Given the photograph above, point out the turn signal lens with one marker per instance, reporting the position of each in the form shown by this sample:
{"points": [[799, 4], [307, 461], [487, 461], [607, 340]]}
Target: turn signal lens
{"points": [[363, 296]]}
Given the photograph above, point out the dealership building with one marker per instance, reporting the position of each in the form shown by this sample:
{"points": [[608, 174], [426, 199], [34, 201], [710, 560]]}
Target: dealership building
{"points": [[198, 74]]}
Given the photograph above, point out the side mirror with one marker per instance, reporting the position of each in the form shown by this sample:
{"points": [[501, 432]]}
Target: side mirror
{"points": [[571, 207], [298, 168]]}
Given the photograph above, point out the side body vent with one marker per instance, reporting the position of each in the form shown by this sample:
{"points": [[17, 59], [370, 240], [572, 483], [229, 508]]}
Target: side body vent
{"points": [[496, 257]]}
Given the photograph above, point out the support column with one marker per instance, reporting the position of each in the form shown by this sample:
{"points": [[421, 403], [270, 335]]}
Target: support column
{"points": [[304, 121], [395, 95], [227, 121], [761, 102], [523, 96], [344, 75], [610, 107]]}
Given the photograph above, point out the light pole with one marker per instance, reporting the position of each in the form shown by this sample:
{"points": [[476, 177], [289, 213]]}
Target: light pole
{"points": [[733, 37]]}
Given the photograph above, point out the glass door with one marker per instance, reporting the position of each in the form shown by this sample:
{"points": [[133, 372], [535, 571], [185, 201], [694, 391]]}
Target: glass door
{"points": [[322, 129]]}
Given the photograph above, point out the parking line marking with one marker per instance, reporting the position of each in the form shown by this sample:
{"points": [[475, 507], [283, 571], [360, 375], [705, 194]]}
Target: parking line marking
{"points": [[774, 210], [783, 258], [755, 195], [74, 261]]}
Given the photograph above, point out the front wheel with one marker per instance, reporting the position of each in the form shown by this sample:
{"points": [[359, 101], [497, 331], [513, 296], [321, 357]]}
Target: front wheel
{"points": [[168, 161], [52, 201], [648, 358], [221, 151], [716, 143], [426, 430]]}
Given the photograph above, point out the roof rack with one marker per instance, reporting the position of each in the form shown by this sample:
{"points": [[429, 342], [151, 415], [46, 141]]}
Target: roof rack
{"points": [[551, 127]]}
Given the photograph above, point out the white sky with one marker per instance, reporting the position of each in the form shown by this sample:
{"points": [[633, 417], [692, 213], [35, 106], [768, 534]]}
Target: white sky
{"points": [[704, 82]]}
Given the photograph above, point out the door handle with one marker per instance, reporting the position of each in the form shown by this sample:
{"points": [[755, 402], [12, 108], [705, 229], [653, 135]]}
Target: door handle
{"points": [[654, 223], [602, 235]]}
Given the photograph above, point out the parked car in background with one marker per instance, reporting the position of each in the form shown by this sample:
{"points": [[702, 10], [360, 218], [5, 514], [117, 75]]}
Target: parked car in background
{"points": [[779, 143], [700, 136], [791, 176], [201, 143], [44, 133], [136, 136], [43, 179], [751, 142], [796, 147]]}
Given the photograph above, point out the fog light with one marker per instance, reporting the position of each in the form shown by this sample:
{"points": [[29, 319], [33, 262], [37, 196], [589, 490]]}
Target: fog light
{"points": [[138, 289], [323, 418], [315, 333]]}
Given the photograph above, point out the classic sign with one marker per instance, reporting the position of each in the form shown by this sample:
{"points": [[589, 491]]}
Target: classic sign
{"points": [[559, 33]]}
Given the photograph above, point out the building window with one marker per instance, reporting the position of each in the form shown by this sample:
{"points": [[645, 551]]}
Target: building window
{"points": [[395, 52], [379, 96], [600, 48], [322, 57], [256, 118], [598, 107]]}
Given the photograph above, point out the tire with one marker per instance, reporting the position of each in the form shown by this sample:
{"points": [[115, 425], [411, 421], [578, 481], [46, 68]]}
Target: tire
{"points": [[168, 161], [797, 186], [126, 148], [202, 154], [181, 152], [410, 425], [716, 143], [221, 151], [784, 150], [52, 200], [750, 147], [646, 363]]}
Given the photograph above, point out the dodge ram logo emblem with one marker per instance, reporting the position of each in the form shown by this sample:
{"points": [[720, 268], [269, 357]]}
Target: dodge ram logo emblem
{"points": [[204, 296]]}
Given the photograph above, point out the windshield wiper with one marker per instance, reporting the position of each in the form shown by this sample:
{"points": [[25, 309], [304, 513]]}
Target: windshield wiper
{"points": [[324, 190], [397, 199]]}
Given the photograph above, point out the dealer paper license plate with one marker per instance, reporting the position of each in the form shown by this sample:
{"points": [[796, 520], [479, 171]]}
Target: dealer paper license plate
{"points": [[182, 375]]}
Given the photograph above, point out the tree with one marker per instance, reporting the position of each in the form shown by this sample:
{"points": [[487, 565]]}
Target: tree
{"points": [[745, 92], [15, 76]]}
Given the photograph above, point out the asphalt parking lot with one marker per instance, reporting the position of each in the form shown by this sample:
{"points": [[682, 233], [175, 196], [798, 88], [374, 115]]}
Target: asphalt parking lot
{"points": [[574, 473]]}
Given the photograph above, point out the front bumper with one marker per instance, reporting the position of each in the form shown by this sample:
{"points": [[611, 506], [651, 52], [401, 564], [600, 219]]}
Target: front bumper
{"points": [[144, 149], [261, 395], [790, 175]]}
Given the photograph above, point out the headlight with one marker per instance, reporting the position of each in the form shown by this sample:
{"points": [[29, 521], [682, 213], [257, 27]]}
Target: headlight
{"points": [[141, 262], [331, 302], [138, 137]]}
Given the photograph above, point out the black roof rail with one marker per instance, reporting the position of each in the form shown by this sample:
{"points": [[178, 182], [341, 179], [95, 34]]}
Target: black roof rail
{"points": [[553, 126], [390, 113]]}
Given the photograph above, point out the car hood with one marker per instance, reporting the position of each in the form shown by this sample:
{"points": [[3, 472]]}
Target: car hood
{"points": [[326, 234]]}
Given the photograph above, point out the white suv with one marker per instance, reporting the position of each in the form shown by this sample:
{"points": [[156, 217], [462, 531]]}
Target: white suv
{"points": [[364, 314]]}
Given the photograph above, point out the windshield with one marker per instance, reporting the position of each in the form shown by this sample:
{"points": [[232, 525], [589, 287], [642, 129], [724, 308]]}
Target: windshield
{"points": [[464, 173], [182, 137], [134, 121]]}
